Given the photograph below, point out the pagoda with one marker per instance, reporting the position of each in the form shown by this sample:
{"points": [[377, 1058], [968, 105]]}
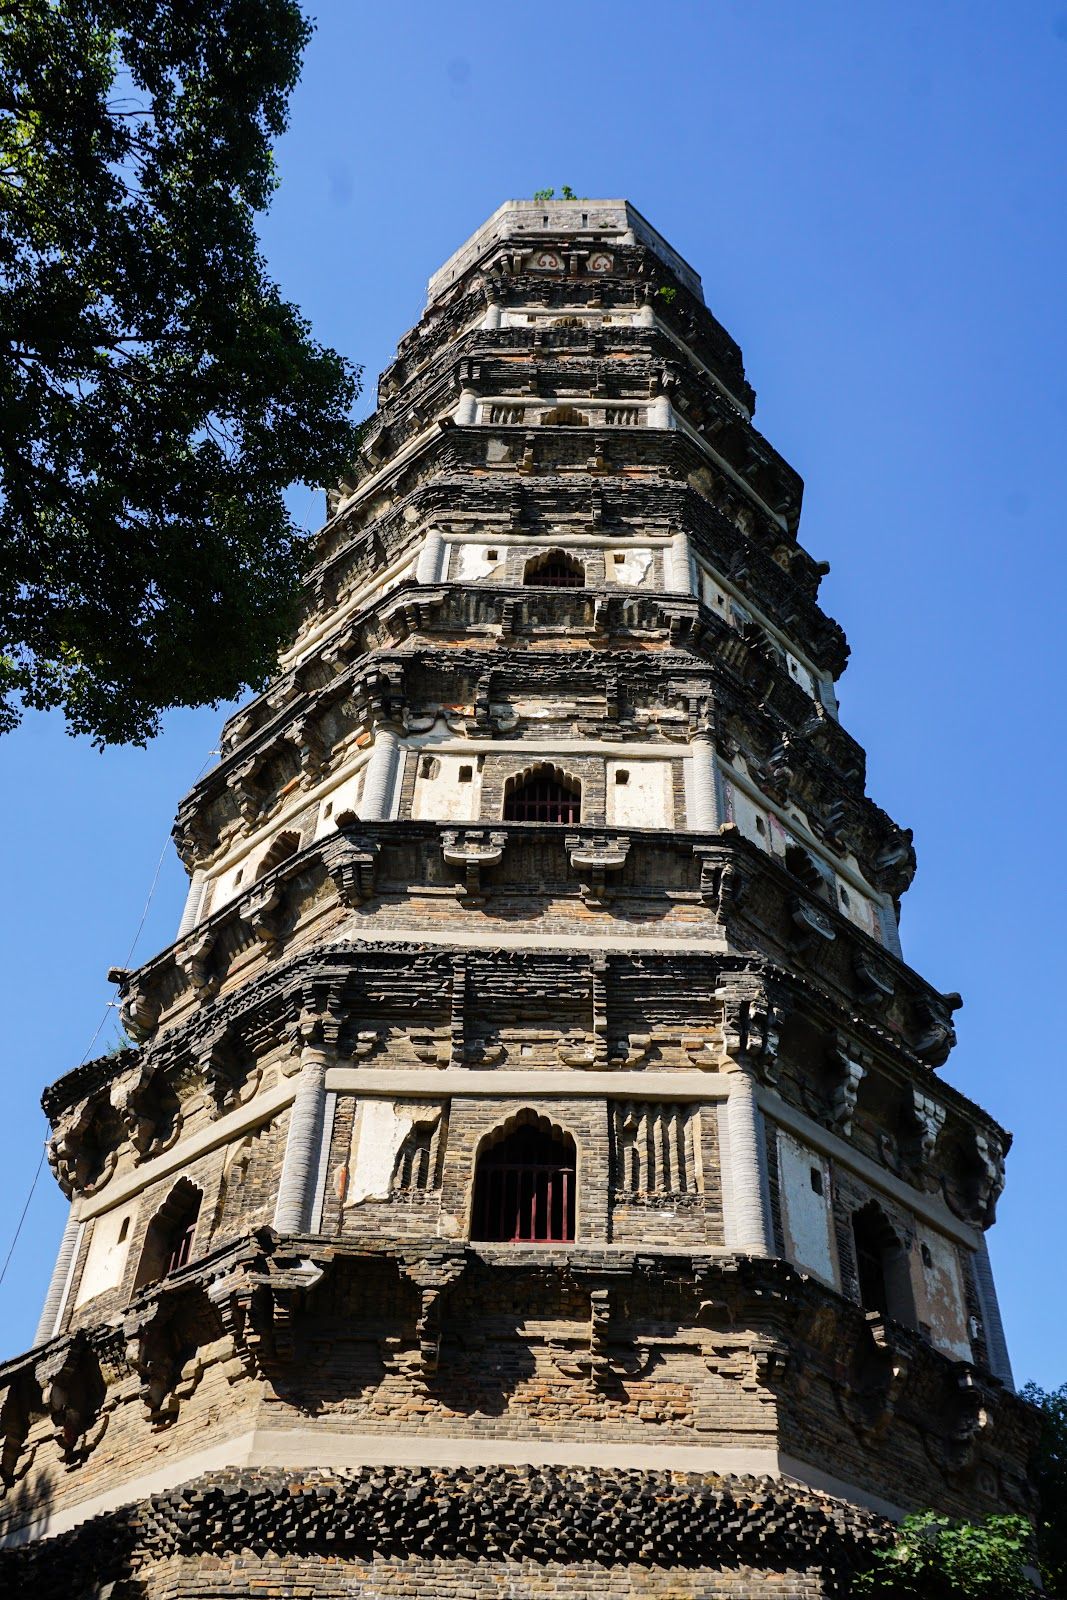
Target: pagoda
{"points": [[533, 1174]]}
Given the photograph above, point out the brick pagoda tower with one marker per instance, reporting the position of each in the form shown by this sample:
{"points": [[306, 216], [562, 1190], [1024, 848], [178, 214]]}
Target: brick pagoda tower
{"points": [[533, 1176]]}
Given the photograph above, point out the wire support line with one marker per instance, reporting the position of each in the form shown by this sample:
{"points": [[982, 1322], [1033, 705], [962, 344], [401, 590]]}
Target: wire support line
{"points": [[22, 1218], [111, 1006]]}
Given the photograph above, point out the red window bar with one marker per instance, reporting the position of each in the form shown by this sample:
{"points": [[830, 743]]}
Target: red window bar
{"points": [[182, 1249], [557, 573], [522, 1202], [542, 798]]}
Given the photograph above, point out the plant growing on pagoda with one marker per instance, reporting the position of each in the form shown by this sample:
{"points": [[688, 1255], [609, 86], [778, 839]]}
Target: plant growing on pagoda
{"points": [[1050, 1474], [933, 1558]]}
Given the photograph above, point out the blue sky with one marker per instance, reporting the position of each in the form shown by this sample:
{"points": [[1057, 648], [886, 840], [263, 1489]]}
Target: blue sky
{"points": [[874, 196]]}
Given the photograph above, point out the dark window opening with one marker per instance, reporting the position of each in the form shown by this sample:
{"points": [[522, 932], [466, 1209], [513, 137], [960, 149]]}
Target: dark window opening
{"points": [[555, 571], [816, 1180], [124, 1230], [168, 1244], [621, 775], [882, 1267], [564, 417], [524, 1189], [545, 796], [466, 774], [284, 846]]}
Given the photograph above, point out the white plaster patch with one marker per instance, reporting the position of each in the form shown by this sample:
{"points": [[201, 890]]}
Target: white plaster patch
{"points": [[344, 798], [381, 1126], [475, 562], [639, 794], [750, 818], [712, 595], [447, 788], [800, 674], [106, 1260], [628, 567], [806, 1207], [941, 1302], [859, 908]]}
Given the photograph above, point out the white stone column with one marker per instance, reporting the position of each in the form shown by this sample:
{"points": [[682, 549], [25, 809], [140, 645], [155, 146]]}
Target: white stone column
{"points": [[747, 1211], [679, 565], [492, 317], [59, 1283], [296, 1189], [376, 803], [703, 794], [646, 317], [428, 566], [660, 413], [192, 902], [467, 410]]}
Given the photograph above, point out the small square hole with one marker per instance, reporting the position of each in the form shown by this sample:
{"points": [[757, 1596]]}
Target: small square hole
{"points": [[124, 1230], [492, 555], [240, 874], [761, 826], [843, 892], [466, 774], [327, 809], [816, 1180], [928, 1260], [621, 775]]}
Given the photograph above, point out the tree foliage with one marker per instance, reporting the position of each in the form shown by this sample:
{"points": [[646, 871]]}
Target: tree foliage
{"points": [[1050, 1472], [157, 392], [933, 1558]]}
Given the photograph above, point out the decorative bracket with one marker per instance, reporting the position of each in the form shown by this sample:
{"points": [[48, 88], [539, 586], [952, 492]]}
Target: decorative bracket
{"points": [[350, 862], [595, 856], [723, 885], [473, 851], [810, 922], [874, 983]]}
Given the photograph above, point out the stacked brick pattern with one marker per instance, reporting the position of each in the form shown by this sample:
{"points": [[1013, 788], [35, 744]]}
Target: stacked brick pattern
{"points": [[695, 987]]}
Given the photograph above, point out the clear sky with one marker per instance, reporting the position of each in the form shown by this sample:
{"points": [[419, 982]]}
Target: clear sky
{"points": [[874, 196]]}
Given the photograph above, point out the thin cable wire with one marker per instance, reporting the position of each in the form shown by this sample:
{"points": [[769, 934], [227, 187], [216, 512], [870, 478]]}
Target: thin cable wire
{"points": [[22, 1218], [108, 1008]]}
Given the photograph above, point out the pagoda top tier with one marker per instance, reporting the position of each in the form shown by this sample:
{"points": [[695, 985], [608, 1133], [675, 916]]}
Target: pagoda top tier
{"points": [[595, 220]]}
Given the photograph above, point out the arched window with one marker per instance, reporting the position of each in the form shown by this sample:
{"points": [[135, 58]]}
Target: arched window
{"points": [[882, 1266], [544, 795], [524, 1185], [168, 1244], [284, 846], [554, 570]]}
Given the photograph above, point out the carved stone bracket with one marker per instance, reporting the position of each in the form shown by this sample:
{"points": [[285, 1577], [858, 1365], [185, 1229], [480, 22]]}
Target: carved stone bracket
{"points": [[139, 1006], [874, 982], [751, 1024], [473, 851], [929, 1117], [723, 885], [433, 1276], [849, 1072], [261, 910], [192, 957], [935, 1035], [810, 923], [73, 1394], [216, 1060], [990, 1180], [350, 862], [595, 857]]}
